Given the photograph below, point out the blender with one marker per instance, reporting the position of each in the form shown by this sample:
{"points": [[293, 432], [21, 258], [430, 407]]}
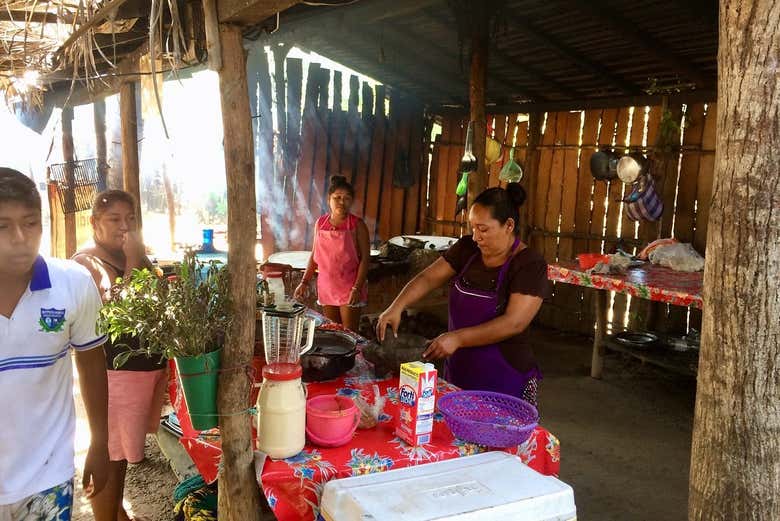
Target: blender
{"points": [[281, 404]]}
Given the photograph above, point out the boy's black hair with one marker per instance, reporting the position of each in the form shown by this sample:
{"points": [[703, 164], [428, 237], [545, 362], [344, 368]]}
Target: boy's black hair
{"points": [[15, 187]]}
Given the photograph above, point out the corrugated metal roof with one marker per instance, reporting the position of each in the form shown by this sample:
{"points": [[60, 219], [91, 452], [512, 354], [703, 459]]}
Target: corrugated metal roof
{"points": [[542, 51]]}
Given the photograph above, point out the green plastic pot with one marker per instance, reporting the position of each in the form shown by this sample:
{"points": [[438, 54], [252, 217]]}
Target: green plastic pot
{"points": [[199, 376]]}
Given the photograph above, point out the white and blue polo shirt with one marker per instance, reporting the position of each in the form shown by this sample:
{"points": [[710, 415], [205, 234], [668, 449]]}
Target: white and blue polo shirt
{"points": [[57, 312]]}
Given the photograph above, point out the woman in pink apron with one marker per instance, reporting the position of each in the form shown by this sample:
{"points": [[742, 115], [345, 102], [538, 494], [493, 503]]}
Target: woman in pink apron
{"points": [[340, 257], [497, 285]]}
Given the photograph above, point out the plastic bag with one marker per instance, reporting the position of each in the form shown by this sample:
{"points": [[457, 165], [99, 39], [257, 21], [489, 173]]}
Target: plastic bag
{"points": [[615, 263], [645, 253], [679, 257], [369, 414], [511, 171]]}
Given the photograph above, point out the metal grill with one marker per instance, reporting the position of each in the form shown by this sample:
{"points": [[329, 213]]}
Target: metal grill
{"points": [[77, 183]]}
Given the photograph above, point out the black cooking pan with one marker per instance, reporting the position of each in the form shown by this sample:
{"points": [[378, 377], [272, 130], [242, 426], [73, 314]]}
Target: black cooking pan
{"points": [[332, 355]]}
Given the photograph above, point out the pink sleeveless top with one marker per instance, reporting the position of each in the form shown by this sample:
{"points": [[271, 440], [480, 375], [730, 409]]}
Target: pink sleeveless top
{"points": [[337, 258]]}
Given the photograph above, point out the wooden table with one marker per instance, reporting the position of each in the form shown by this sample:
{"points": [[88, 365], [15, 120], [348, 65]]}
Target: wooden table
{"points": [[650, 282]]}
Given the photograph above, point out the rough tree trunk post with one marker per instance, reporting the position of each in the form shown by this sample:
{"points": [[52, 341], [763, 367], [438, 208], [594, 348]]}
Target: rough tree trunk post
{"points": [[129, 121], [69, 155], [478, 181], [735, 460], [239, 498]]}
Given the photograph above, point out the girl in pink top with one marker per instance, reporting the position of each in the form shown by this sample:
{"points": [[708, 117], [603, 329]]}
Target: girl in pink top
{"points": [[340, 256]]}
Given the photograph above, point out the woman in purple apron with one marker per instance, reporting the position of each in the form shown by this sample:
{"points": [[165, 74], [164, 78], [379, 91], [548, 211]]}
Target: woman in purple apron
{"points": [[497, 285]]}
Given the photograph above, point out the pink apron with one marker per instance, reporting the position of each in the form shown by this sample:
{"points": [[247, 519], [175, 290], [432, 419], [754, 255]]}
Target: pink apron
{"points": [[337, 261]]}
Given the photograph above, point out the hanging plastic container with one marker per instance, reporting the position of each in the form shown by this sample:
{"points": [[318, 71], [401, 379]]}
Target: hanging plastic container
{"points": [[463, 185], [468, 163], [511, 171]]}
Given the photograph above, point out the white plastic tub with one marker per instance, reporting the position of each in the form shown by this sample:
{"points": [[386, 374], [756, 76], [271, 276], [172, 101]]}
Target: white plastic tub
{"points": [[489, 486]]}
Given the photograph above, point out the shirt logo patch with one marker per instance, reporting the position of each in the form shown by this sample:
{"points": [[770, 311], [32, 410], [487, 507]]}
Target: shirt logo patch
{"points": [[52, 320]]}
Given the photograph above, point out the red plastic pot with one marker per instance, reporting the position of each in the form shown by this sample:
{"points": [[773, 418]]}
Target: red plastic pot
{"points": [[589, 260]]}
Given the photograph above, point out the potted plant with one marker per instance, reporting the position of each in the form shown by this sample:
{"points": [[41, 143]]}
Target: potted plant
{"points": [[182, 317]]}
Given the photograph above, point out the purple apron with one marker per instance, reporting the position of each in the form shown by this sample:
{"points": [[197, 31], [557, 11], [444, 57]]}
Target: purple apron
{"points": [[482, 368]]}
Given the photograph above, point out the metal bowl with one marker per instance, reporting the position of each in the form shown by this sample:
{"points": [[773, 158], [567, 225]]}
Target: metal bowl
{"points": [[635, 339]]}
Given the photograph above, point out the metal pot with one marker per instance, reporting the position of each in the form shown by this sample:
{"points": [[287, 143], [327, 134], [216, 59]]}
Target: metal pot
{"points": [[603, 165], [332, 355]]}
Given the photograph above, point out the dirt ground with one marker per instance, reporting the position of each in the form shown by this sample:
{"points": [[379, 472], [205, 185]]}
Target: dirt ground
{"points": [[625, 440], [149, 484]]}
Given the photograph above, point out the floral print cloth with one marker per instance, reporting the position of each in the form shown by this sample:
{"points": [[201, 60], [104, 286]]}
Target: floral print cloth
{"points": [[53, 504], [650, 282], [293, 487]]}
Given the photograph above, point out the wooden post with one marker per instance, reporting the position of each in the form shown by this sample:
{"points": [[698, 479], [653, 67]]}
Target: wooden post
{"points": [[531, 169], [68, 155], [99, 115], [239, 498], [735, 456], [477, 85], [597, 360], [129, 122], [213, 47]]}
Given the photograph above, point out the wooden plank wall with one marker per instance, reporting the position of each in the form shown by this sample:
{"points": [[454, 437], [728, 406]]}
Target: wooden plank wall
{"points": [[572, 213], [324, 139]]}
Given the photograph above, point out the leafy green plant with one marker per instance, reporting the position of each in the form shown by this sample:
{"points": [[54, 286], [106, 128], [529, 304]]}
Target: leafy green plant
{"points": [[184, 314]]}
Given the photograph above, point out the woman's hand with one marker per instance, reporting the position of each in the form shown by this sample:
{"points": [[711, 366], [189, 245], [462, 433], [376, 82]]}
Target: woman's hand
{"points": [[133, 248], [442, 346], [389, 317], [354, 297], [300, 291]]}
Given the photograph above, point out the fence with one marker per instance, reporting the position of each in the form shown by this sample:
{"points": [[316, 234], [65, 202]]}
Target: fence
{"points": [[377, 142], [568, 212]]}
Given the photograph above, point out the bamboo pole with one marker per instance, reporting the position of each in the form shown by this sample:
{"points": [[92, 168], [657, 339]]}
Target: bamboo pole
{"points": [[239, 498]]}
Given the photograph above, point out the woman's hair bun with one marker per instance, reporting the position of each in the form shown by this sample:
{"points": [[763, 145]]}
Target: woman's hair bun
{"points": [[516, 193], [338, 180]]}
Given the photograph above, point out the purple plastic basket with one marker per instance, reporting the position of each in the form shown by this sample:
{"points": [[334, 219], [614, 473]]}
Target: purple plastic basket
{"points": [[489, 419]]}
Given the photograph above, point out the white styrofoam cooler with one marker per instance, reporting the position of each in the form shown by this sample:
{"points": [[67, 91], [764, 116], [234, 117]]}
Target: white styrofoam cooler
{"points": [[489, 486]]}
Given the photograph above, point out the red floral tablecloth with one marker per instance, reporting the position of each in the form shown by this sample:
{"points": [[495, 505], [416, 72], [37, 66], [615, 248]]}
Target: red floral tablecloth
{"points": [[293, 486], [651, 282]]}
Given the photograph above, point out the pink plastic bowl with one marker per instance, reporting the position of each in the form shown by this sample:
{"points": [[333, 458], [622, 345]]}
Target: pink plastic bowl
{"points": [[331, 419]]}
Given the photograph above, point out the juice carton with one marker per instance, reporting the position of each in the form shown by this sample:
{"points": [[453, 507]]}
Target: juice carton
{"points": [[417, 396]]}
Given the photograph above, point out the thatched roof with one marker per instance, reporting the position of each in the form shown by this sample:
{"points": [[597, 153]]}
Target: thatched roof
{"points": [[57, 42]]}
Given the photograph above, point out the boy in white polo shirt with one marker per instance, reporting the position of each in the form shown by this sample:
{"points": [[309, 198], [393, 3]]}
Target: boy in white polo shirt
{"points": [[47, 307]]}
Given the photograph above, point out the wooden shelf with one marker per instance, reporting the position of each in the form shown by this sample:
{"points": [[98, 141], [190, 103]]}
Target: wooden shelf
{"points": [[681, 362]]}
